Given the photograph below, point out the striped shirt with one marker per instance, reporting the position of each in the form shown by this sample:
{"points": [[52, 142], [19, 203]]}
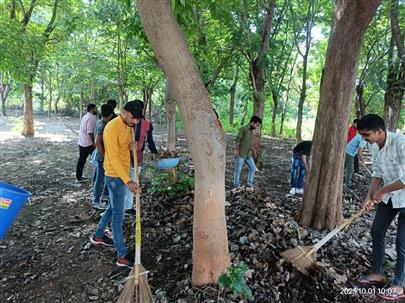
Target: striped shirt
{"points": [[389, 165]]}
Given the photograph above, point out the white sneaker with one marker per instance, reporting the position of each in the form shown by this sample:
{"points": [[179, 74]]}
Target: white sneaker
{"points": [[299, 191], [292, 191]]}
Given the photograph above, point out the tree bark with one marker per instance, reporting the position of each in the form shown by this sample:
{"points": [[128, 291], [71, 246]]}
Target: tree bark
{"points": [[308, 38], [170, 104], [81, 105], [360, 100], [303, 93], [257, 71], [274, 115], [394, 93], [5, 89], [322, 201], [42, 97], [244, 112], [232, 92], [50, 95], [206, 140], [56, 104], [285, 104], [121, 69], [147, 100], [28, 130]]}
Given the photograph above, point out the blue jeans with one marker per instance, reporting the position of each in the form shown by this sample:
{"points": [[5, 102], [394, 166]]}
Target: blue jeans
{"points": [[382, 220], [297, 172], [99, 187], [238, 168], [115, 214]]}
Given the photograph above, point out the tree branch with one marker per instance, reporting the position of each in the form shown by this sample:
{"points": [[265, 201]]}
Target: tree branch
{"points": [[27, 15], [398, 38]]}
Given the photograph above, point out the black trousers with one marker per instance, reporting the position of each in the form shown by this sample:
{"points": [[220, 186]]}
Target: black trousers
{"points": [[84, 152], [356, 163]]}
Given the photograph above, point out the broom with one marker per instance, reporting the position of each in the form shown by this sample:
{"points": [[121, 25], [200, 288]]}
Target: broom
{"points": [[137, 289], [303, 257]]}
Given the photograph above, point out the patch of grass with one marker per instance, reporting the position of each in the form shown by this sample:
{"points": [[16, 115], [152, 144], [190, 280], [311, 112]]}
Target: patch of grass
{"points": [[162, 182]]}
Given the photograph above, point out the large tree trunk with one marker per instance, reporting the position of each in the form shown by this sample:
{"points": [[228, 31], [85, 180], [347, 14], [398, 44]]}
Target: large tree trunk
{"points": [[232, 92], [210, 241], [28, 129], [170, 104], [322, 201]]}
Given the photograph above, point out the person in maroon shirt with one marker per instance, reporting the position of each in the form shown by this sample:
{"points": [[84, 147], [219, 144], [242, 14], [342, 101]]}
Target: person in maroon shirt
{"points": [[352, 133]]}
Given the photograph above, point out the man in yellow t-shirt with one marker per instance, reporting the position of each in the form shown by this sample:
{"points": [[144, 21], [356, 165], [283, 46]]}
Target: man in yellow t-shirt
{"points": [[117, 139]]}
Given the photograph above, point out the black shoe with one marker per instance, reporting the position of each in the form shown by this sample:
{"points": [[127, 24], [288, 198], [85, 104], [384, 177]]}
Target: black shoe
{"points": [[130, 212], [105, 240], [83, 179]]}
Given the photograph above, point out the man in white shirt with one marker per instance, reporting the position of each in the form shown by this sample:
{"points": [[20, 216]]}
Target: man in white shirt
{"points": [[86, 139], [387, 189]]}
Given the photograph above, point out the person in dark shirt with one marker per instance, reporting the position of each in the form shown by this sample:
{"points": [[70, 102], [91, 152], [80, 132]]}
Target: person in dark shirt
{"points": [[301, 154], [113, 104]]}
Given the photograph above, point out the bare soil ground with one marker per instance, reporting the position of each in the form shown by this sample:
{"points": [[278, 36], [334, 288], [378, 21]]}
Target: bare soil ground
{"points": [[46, 255]]}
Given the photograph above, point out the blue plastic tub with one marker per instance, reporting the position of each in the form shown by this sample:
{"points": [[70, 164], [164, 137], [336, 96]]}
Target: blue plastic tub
{"points": [[12, 199], [167, 163]]}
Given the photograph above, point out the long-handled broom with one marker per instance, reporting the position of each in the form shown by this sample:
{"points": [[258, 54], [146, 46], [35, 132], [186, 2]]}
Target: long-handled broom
{"points": [[303, 257], [137, 289]]}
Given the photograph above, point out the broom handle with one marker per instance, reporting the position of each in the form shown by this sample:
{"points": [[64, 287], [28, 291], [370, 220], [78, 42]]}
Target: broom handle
{"points": [[366, 168], [335, 231], [138, 212]]}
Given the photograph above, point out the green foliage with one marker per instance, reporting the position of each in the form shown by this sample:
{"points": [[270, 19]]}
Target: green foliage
{"points": [[161, 182], [234, 280]]}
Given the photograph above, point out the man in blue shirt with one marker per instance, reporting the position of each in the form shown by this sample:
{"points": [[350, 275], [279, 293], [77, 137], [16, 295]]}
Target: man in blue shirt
{"points": [[353, 148]]}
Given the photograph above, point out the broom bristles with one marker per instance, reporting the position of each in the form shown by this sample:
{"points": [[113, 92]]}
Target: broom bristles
{"points": [[140, 293], [300, 257]]}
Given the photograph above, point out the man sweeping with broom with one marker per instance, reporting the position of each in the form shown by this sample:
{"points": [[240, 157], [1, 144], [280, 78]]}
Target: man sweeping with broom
{"points": [[387, 190], [117, 140]]}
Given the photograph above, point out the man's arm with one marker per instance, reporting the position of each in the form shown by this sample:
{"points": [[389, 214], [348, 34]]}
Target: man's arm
{"points": [[151, 142], [91, 126], [92, 139], [100, 144], [237, 142]]}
